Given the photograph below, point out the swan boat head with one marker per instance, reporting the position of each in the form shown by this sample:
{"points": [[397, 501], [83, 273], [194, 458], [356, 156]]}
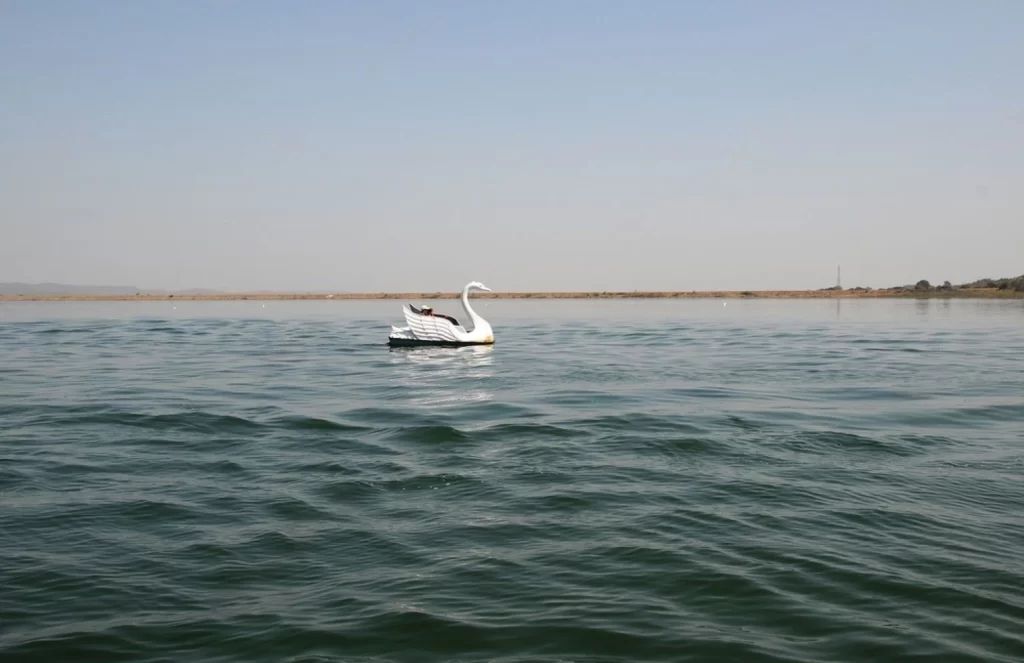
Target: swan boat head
{"points": [[424, 327]]}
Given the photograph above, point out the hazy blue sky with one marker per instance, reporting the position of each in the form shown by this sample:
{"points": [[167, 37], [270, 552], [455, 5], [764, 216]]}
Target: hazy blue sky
{"points": [[530, 145]]}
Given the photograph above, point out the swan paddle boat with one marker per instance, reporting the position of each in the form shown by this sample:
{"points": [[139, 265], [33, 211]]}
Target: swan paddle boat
{"points": [[425, 327]]}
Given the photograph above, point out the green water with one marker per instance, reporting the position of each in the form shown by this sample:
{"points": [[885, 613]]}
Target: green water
{"points": [[613, 481]]}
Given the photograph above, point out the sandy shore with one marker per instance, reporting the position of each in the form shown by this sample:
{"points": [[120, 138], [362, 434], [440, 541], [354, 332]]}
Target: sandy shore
{"points": [[985, 293]]}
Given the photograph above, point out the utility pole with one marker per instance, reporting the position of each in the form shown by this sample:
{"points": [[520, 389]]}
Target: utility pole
{"points": [[839, 279]]}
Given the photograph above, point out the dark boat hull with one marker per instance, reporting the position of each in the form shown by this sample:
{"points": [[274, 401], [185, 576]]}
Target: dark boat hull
{"points": [[417, 343]]}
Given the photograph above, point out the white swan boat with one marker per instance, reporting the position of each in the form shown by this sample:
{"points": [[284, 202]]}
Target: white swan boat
{"points": [[424, 327]]}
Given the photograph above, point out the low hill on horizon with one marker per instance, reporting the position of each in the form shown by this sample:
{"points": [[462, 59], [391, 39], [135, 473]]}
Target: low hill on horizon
{"points": [[17, 288]]}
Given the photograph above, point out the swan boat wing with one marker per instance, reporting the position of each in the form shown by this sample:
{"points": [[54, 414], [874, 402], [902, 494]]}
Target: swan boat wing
{"points": [[432, 327]]}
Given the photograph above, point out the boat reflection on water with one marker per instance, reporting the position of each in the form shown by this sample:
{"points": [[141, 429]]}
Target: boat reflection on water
{"points": [[466, 355], [445, 376]]}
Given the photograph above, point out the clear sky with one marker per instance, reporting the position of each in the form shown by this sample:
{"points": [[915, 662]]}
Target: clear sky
{"points": [[550, 145]]}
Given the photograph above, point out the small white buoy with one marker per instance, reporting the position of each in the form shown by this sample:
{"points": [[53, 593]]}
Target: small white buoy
{"points": [[264, 306], [723, 303]]}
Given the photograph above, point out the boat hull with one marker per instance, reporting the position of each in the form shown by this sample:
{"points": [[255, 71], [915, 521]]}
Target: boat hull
{"points": [[415, 342]]}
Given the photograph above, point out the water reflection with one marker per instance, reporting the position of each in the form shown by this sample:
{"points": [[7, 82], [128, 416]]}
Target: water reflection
{"points": [[444, 377], [469, 355]]}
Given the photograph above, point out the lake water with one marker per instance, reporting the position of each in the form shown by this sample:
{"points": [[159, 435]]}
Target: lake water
{"points": [[612, 481]]}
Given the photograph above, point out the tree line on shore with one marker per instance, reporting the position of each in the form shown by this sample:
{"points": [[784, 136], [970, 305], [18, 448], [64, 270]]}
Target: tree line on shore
{"points": [[1014, 283]]}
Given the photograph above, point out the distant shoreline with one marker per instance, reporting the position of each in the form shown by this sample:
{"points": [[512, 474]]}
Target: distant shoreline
{"points": [[956, 293]]}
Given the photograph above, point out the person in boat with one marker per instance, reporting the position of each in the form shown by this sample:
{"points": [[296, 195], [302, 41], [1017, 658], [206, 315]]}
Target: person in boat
{"points": [[426, 310]]}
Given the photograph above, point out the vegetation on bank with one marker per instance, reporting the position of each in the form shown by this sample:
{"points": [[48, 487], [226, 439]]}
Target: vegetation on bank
{"points": [[1016, 284], [1007, 285]]}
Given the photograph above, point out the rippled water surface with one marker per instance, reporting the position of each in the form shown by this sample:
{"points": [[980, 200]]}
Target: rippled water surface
{"points": [[612, 481]]}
